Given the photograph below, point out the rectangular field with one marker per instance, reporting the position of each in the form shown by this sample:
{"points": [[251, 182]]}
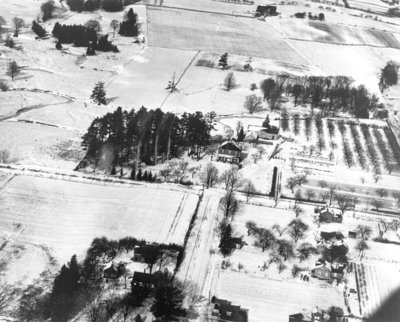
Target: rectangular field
{"points": [[189, 30], [274, 299], [65, 216]]}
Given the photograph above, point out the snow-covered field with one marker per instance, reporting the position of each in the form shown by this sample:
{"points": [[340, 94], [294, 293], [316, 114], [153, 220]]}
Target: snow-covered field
{"points": [[272, 300], [66, 216]]}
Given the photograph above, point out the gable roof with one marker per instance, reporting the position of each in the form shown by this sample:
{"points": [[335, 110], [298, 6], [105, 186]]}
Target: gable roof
{"points": [[230, 145], [144, 278]]}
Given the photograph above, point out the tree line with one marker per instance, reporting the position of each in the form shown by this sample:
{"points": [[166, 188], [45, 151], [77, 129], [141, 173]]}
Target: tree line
{"points": [[91, 5], [330, 94], [82, 36], [123, 138]]}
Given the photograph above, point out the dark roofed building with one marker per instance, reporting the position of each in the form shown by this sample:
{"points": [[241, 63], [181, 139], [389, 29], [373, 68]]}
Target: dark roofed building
{"points": [[296, 317], [224, 311], [230, 152], [146, 253], [268, 10], [146, 280], [114, 271]]}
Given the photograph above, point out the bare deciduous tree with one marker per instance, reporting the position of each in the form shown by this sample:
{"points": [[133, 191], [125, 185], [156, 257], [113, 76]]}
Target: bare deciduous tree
{"points": [[18, 24], [209, 176], [232, 179], [249, 189], [253, 103], [364, 231], [229, 81], [114, 24]]}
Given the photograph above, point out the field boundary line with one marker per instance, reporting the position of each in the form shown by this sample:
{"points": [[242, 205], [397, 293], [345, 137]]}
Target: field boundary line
{"points": [[201, 11]]}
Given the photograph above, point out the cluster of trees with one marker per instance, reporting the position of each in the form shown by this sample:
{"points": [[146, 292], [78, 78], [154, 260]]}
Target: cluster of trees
{"points": [[373, 154], [281, 249], [389, 76], [302, 15], [83, 36], [387, 156], [77, 284], [125, 138], [359, 146], [38, 29], [321, 144], [91, 5], [347, 151], [393, 144], [47, 9], [129, 26], [334, 93]]}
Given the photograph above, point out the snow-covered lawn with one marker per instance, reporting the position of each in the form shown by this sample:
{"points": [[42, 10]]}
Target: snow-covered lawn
{"points": [[271, 300], [66, 216]]}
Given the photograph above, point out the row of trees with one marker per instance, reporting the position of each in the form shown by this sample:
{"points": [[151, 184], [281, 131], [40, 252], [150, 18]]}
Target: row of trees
{"points": [[333, 93], [83, 36], [91, 5], [150, 136]]}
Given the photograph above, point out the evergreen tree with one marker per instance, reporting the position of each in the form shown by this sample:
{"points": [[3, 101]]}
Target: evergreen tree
{"points": [[129, 27], [113, 171], [150, 177], [145, 176], [65, 291], [223, 61], [9, 42], [90, 50], [139, 175], [13, 70], [38, 29], [99, 94], [226, 245], [59, 45], [168, 303]]}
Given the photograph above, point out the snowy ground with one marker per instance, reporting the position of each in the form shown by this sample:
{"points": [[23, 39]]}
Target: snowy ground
{"points": [[66, 216]]}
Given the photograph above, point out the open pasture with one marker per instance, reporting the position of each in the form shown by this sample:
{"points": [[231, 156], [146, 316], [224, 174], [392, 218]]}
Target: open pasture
{"points": [[66, 216], [337, 33], [190, 30]]}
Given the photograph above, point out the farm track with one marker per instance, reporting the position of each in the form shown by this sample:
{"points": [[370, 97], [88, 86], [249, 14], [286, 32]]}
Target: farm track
{"points": [[202, 11], [68, 99], [196, 266]]}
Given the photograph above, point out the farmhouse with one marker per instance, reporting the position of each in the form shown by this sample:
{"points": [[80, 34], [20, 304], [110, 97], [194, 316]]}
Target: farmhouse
{"points": [[238, 242], [328, 216], [323, 271], [298, 317], [230, 152], [146, 253], [224, 311], [146, 280], [114, 270]]}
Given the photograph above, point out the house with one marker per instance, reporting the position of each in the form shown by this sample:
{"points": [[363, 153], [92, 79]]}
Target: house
{"points": [[238, 242], [325, 235], [114, 270], [146, 254], [322, 272], [337, 271], [299, 317], [224, 311], [328, 216], [352, 234], [146, 280], [230, 152]]}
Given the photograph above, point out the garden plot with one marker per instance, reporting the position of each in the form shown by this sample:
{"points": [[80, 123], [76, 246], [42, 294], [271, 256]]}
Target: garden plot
{"points": [[66, 216], [216, 33], [275, 299], [375, 285]]}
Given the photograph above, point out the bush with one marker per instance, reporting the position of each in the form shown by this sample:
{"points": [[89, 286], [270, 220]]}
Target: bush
{"points": [[3, 86]]}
